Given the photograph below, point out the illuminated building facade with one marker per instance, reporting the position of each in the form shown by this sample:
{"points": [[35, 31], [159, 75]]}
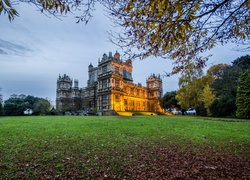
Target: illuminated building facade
{"points": [[110, 88]]}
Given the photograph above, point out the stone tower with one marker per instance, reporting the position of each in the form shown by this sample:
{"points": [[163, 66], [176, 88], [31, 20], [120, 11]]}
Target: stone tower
{"points": [[154, 86], [64, 93]]}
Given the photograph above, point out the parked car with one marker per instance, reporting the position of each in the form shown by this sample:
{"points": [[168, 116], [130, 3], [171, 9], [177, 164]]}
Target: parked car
{"points": [[191, 111], [175, 112]]}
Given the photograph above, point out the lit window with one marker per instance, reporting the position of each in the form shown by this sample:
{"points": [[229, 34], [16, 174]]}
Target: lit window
{"points": [[116, 70], [117, 98], [117, 83]]}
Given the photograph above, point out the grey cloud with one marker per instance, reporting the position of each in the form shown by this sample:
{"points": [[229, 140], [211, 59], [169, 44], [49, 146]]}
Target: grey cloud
{"points": [[9, 48], [2, 51]]}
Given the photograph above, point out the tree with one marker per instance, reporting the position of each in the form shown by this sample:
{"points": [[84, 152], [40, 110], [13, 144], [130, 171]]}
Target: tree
{"points": [[169, 100], [42, 107], [242, 62], [191, 86], [190, 95], [190, 75], [1, 102], [196, 89], [224, 106], [216, 71], [208, 98], [51, 7], [243, 96], [15, 105], [179, 30], [225, 85]]}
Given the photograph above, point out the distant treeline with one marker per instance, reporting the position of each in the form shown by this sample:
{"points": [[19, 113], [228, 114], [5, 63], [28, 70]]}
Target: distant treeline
{"points": [[16, 105]]}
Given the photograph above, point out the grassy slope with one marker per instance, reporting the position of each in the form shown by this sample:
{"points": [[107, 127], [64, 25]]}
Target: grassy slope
{"points": [[29, 143]]}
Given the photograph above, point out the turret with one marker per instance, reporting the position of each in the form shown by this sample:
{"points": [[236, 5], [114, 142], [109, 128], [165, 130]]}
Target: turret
{"points": [[110, 54], [63, 91], [64, 82], [76, 83], [154, 84], [117, 56], [90, 67]]}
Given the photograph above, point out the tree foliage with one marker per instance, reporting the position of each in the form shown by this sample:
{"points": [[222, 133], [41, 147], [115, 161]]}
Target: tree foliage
{"points": [[52, 7], [215, 93], [225, 85], [190, 95], [1, 102], [242, 62], [42, 107], [224, 106], [179, 30], [207, 97], [227, 76], [169, 100], [17, 104], [7, 8], [243, 96], [191, 86]]}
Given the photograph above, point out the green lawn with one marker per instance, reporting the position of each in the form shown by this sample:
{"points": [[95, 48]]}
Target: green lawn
{"points": [[57, 146]]}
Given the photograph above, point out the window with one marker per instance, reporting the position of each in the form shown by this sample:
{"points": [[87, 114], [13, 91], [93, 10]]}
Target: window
{"points": [[132, 91], [117, 85], [104, 69], [125, 89], [104, 98], [104, 101], [137, 105], [116, 70], [138, 92], [91, 92], [104, 83], [92, 77], [86, 93], [117, 98]]}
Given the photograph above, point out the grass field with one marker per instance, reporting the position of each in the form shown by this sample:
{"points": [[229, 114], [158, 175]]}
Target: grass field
{"points": [[99, 147]]}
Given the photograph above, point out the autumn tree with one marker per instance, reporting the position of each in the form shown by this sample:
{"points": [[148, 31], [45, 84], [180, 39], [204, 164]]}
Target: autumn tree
{"points": [[208, 98], [196, 89], [190, 95], [52, 7], [179, 30], [243, 96]]}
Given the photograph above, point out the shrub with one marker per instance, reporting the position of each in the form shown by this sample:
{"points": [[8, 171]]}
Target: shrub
{"points": [[201, 111]]}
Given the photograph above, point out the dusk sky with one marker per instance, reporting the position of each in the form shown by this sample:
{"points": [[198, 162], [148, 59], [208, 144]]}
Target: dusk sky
{"points": [[35, 49]]}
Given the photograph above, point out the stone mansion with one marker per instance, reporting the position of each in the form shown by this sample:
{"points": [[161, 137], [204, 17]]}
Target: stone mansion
{"points": [[110, 88]]}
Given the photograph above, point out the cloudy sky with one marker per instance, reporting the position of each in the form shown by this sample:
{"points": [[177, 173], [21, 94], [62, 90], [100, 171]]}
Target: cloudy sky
{"points": [[35, 49]]}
